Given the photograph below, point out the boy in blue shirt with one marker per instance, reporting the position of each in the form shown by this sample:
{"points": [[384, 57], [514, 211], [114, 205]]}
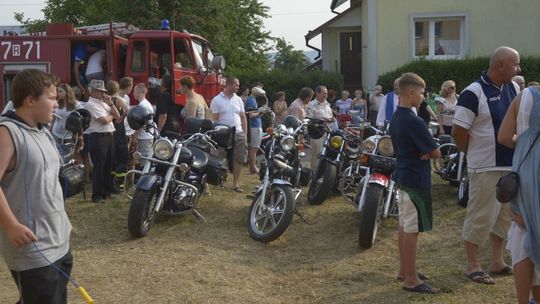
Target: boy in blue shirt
{"points": [[414, 146]]}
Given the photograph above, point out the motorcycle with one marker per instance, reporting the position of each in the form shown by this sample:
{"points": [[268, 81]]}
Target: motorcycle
{"points": [[330, 160], [349, 178], [377, 196], [175, 173], [282, 177], [452, 167]]}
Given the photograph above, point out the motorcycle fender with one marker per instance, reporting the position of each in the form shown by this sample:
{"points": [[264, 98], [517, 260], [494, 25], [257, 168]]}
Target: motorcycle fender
{"points": [[147, 182], [275, 181], [378, 178]]}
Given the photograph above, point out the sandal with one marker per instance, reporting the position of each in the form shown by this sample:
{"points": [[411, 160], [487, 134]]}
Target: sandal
{"points": [[422, 288], [481, 277], [238, 189], [421, 276], [506, 271]]}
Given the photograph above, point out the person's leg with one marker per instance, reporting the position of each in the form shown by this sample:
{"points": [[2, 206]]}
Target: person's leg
{"points": [[252, 160], [97, 154], [401, 271], [236, 174], [316, 147], [108, 165], [523, 277], [240, 153], [408, 258], [499, 234]]}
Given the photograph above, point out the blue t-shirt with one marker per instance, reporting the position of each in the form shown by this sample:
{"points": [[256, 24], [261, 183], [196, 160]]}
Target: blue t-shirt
{"points": [[411, 139], [79, 52], [254, 122]]}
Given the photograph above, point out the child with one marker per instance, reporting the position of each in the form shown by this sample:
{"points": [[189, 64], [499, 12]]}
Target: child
{"points": [[414, 146], [33, 220]]}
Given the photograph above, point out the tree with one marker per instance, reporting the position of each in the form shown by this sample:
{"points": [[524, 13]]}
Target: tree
{"points": [[234, 27], [287, 58]]}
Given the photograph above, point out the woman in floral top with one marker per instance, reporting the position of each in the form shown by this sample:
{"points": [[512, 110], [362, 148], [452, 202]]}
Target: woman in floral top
{"points": [[280, 107]]}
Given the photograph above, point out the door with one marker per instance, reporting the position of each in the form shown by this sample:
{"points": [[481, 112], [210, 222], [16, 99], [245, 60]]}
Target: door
{"points": [[351, 59]]}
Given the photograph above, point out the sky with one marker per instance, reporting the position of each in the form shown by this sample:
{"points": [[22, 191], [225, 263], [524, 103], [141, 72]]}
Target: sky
{"points": [[290, 19]]}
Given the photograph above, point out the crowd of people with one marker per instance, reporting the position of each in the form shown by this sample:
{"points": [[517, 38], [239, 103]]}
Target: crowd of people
{"points": [[494, 120]]}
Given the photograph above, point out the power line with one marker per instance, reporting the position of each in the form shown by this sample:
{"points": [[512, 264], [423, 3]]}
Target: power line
{"points": [[299, 13], [21, 4]]}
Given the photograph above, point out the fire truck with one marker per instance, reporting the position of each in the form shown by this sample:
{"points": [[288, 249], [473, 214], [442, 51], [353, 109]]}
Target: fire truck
{"points": [[145, 55]]}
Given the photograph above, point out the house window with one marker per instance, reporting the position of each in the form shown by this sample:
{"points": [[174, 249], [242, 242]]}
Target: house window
{"points": [[439, 37]]}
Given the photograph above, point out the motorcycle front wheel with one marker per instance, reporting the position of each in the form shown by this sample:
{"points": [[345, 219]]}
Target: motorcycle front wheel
{"points": [[463, 191], [268, 218], [141, 212], [322, 182], [370, 215]]}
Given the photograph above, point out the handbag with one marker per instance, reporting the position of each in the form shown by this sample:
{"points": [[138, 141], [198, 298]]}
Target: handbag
{"points": [[508, 185], [72, 179]]}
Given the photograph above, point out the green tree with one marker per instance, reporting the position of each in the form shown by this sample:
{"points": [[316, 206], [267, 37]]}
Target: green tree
{"points": [[287, 58], [234, 27]]}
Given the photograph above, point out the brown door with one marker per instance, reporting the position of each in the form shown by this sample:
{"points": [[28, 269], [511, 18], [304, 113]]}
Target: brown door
{"points": [[351, 59]]}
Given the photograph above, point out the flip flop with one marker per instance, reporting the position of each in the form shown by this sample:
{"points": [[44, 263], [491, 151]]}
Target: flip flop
{"points": [[422, 288], [506, 271], [237, 189], [422, 277], [481, 277]]}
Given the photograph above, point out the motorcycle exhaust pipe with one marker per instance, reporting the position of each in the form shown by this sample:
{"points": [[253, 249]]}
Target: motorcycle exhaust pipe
{"points": [[283, 166]]}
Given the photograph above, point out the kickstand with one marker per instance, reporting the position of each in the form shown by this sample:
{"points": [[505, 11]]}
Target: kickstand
{"points": [[198, 215], [84, 192], [301, 216]]}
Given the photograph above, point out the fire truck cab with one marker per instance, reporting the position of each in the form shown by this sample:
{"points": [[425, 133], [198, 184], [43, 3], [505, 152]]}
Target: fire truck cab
{"points": [[145, 55]]}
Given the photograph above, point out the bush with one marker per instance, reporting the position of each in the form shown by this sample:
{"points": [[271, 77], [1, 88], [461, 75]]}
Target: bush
{"points": [[463, 72], [289, 82]]}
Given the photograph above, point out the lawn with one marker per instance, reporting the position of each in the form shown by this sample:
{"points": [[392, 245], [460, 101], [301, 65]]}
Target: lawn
{"points": [[185, 260]]}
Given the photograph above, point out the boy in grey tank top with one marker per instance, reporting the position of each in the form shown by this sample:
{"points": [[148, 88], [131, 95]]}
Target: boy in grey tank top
{"points": [[34, 227]]}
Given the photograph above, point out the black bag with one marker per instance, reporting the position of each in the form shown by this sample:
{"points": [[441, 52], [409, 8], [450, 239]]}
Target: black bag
{"points": [[72, 179], [508, 185]]}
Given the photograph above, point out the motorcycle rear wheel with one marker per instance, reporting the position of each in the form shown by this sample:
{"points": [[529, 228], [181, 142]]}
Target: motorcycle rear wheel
{"points": [[141, 212], [370, 215], [322, 183], [269, 218]]}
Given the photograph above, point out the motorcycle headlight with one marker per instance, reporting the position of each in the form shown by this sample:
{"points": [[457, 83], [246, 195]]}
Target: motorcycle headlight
{"points": [[369, 145], [336, 142], [287, 143], [163, 149], [385, 147]]}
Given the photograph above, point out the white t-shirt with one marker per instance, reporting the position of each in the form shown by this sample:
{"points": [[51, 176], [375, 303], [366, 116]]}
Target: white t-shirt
{"points": [[59, 126], [98, 109], [145, 135], [129, 130], [94, 63], [229, 110]]}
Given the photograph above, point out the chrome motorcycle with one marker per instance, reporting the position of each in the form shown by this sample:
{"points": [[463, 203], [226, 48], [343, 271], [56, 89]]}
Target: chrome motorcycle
{"points": [[282, 177], [377, 196], [452, 167], [175, 173]]}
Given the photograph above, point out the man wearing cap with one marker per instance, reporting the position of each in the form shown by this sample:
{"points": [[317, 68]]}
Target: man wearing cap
{"points": [[255, 128], [101, 143]]}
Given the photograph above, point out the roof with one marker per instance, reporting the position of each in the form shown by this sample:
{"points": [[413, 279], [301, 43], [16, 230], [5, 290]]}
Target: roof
{"points": [[313, 33]]}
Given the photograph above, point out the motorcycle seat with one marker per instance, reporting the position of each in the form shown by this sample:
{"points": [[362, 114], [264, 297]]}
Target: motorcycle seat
{"points": [[200, 158]]}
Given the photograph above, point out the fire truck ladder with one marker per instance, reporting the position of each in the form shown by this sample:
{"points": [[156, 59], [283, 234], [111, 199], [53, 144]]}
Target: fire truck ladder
{"points": [[119, 28]]}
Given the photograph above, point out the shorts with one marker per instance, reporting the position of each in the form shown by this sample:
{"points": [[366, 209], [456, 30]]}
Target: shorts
{"points": [[415, 210], [240, 148], [485, 214], [255, 137], [516, 245]]}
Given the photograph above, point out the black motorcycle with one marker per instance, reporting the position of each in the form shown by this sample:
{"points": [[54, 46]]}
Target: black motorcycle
{"points": [[173, 176], [330, 160], [282, 178]]}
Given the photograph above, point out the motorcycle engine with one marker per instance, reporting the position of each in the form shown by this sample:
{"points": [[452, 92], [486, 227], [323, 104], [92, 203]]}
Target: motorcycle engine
{"points": [[184, 197]]}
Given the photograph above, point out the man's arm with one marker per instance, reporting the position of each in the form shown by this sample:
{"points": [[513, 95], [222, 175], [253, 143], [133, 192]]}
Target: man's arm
{"points": [[18, 234], [162, 118], [461, 138], [243, 120]]}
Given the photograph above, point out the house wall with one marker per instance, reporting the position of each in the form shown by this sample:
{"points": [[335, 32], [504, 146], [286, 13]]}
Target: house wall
{"points": [[487, 27]]}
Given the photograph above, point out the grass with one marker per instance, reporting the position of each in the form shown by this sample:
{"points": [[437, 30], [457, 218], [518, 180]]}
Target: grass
{"points": [[184, 260]]}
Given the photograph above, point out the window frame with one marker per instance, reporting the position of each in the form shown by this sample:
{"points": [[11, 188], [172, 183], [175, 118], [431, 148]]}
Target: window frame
{"points": [[432, 18]]}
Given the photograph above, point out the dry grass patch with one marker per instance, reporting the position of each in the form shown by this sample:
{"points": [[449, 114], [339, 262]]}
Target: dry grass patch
{"points": [[184, 260]]}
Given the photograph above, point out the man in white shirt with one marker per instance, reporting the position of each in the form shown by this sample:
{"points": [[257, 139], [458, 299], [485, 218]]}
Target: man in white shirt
{"points": [[101, 143], [228, 109], [144, 138], [319, 108], [375, 102], [94, 69], [386, 110]]}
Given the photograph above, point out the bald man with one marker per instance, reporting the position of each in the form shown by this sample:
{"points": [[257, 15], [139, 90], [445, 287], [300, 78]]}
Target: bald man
{"points": [[480, 109]]}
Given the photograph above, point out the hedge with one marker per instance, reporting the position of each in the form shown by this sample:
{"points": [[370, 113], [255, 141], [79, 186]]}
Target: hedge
{"points": [[289, 82], [463, 72]]}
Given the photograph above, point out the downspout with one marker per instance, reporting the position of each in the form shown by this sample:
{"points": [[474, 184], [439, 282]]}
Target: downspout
{"points": [[312, 47]]}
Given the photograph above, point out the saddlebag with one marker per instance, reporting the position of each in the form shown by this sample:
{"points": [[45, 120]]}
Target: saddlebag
{"points": [[216, 170], [72, 179]]}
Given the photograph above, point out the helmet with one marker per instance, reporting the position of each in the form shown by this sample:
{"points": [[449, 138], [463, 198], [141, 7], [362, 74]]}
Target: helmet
{"points": [[314, 131], [139, 116], [292, 121], [77, 120]]}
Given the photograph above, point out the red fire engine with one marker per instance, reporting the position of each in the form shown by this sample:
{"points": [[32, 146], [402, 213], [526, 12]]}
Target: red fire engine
{"points": [[145, 55]]}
